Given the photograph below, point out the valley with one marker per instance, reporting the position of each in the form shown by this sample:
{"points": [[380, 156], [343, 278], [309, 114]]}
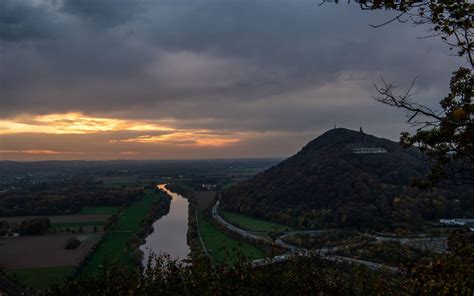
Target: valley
{"points": [[229, 215]]}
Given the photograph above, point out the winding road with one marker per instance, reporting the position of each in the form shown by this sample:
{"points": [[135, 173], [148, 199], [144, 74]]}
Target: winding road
{"points": [[325, 253]]}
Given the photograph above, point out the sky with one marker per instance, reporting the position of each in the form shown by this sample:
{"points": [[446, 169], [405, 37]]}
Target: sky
{"points": [[173, 79]]}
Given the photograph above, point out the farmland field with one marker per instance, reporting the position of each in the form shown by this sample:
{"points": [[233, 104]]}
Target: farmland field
{"points": [[113, 246], [76, 224], [60, 219], [118, 181], [43, 277], [253, 224], [39, 261], [99, 210], [23, 252], [222, 247]]}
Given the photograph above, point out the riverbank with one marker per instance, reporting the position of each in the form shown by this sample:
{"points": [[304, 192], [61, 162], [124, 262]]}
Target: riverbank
{"points": [[120, 243], [208, 238]]}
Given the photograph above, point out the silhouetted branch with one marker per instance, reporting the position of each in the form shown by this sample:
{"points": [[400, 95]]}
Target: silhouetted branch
{"points": [[403, 101]]}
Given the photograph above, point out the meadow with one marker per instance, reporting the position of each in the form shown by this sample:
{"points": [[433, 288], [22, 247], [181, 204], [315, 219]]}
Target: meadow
{"points": [[41, 260], [99, 210], [113, 246], [253, 224], [41, 278], [222, 247]]}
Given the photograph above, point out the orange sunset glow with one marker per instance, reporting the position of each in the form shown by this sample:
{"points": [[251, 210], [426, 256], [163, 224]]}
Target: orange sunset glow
{"points": [[113, 135], [73, 123]]}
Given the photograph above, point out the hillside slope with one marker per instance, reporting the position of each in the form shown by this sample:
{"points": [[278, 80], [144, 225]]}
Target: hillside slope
{"points": [[327, 184]]}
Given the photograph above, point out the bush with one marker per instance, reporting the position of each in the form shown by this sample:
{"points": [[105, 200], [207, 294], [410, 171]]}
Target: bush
{"points": [[72, 244], [4, 228], [34, 226]]}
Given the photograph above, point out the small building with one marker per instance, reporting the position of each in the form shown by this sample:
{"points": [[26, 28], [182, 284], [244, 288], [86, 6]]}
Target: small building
{"points": [[369, 150]]}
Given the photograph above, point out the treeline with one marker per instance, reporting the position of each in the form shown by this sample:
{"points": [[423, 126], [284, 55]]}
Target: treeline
{"points": [[450, 274], [388, 210], [30, 226], [63, 199]]}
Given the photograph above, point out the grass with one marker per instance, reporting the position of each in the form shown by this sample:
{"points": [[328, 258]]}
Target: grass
{"points": [[113, 246], [229, 184], [76, 224], [98, 210], [224, 248], [253, 224], [41, 278]]}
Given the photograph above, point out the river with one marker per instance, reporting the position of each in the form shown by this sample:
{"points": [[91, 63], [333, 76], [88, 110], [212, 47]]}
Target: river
{"points": [[170, 232]]}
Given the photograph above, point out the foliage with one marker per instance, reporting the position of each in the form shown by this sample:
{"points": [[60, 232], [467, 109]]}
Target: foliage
{"points": [[390, 252], [301, 276], [446, 136], [329, 238], [451, 273], [62, 199], [72, 243], [34, 226], [252, 224], [4, 228], [325, 185]]}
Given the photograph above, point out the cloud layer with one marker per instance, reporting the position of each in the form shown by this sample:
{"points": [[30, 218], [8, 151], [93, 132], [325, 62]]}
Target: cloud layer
{"points": [[258, 77]]}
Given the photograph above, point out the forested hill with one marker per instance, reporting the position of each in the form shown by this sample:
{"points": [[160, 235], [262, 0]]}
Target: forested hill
{"points": [[327, 184]]}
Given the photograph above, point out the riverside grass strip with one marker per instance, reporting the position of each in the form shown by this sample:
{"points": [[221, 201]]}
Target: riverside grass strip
{"points": [[113, 247], [223, 248]]}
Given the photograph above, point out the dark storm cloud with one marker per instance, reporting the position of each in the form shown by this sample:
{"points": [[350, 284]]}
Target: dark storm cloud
{"points": [[23, 19], [103, 12], [269, 65]]}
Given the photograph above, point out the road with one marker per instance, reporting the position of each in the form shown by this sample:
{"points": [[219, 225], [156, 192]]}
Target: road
{"points": [[325, 253]]}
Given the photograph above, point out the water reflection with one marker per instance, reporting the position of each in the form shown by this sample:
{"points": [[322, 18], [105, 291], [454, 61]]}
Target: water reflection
{"points": [[169, 235]]}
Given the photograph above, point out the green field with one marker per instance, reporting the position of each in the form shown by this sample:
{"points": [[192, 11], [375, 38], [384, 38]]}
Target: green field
{"points": [[227, 185], [76, 224], [113, 246], [98, 210], [253, 224], [224, 248], [41, 278]]}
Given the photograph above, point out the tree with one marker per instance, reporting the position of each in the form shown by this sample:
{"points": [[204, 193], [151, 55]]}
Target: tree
{"points": [[72, 243], [446, 136], [34, 226]]}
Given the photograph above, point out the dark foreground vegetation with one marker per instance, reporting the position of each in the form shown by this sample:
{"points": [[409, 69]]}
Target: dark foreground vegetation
{"points": [[448, 274]]}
